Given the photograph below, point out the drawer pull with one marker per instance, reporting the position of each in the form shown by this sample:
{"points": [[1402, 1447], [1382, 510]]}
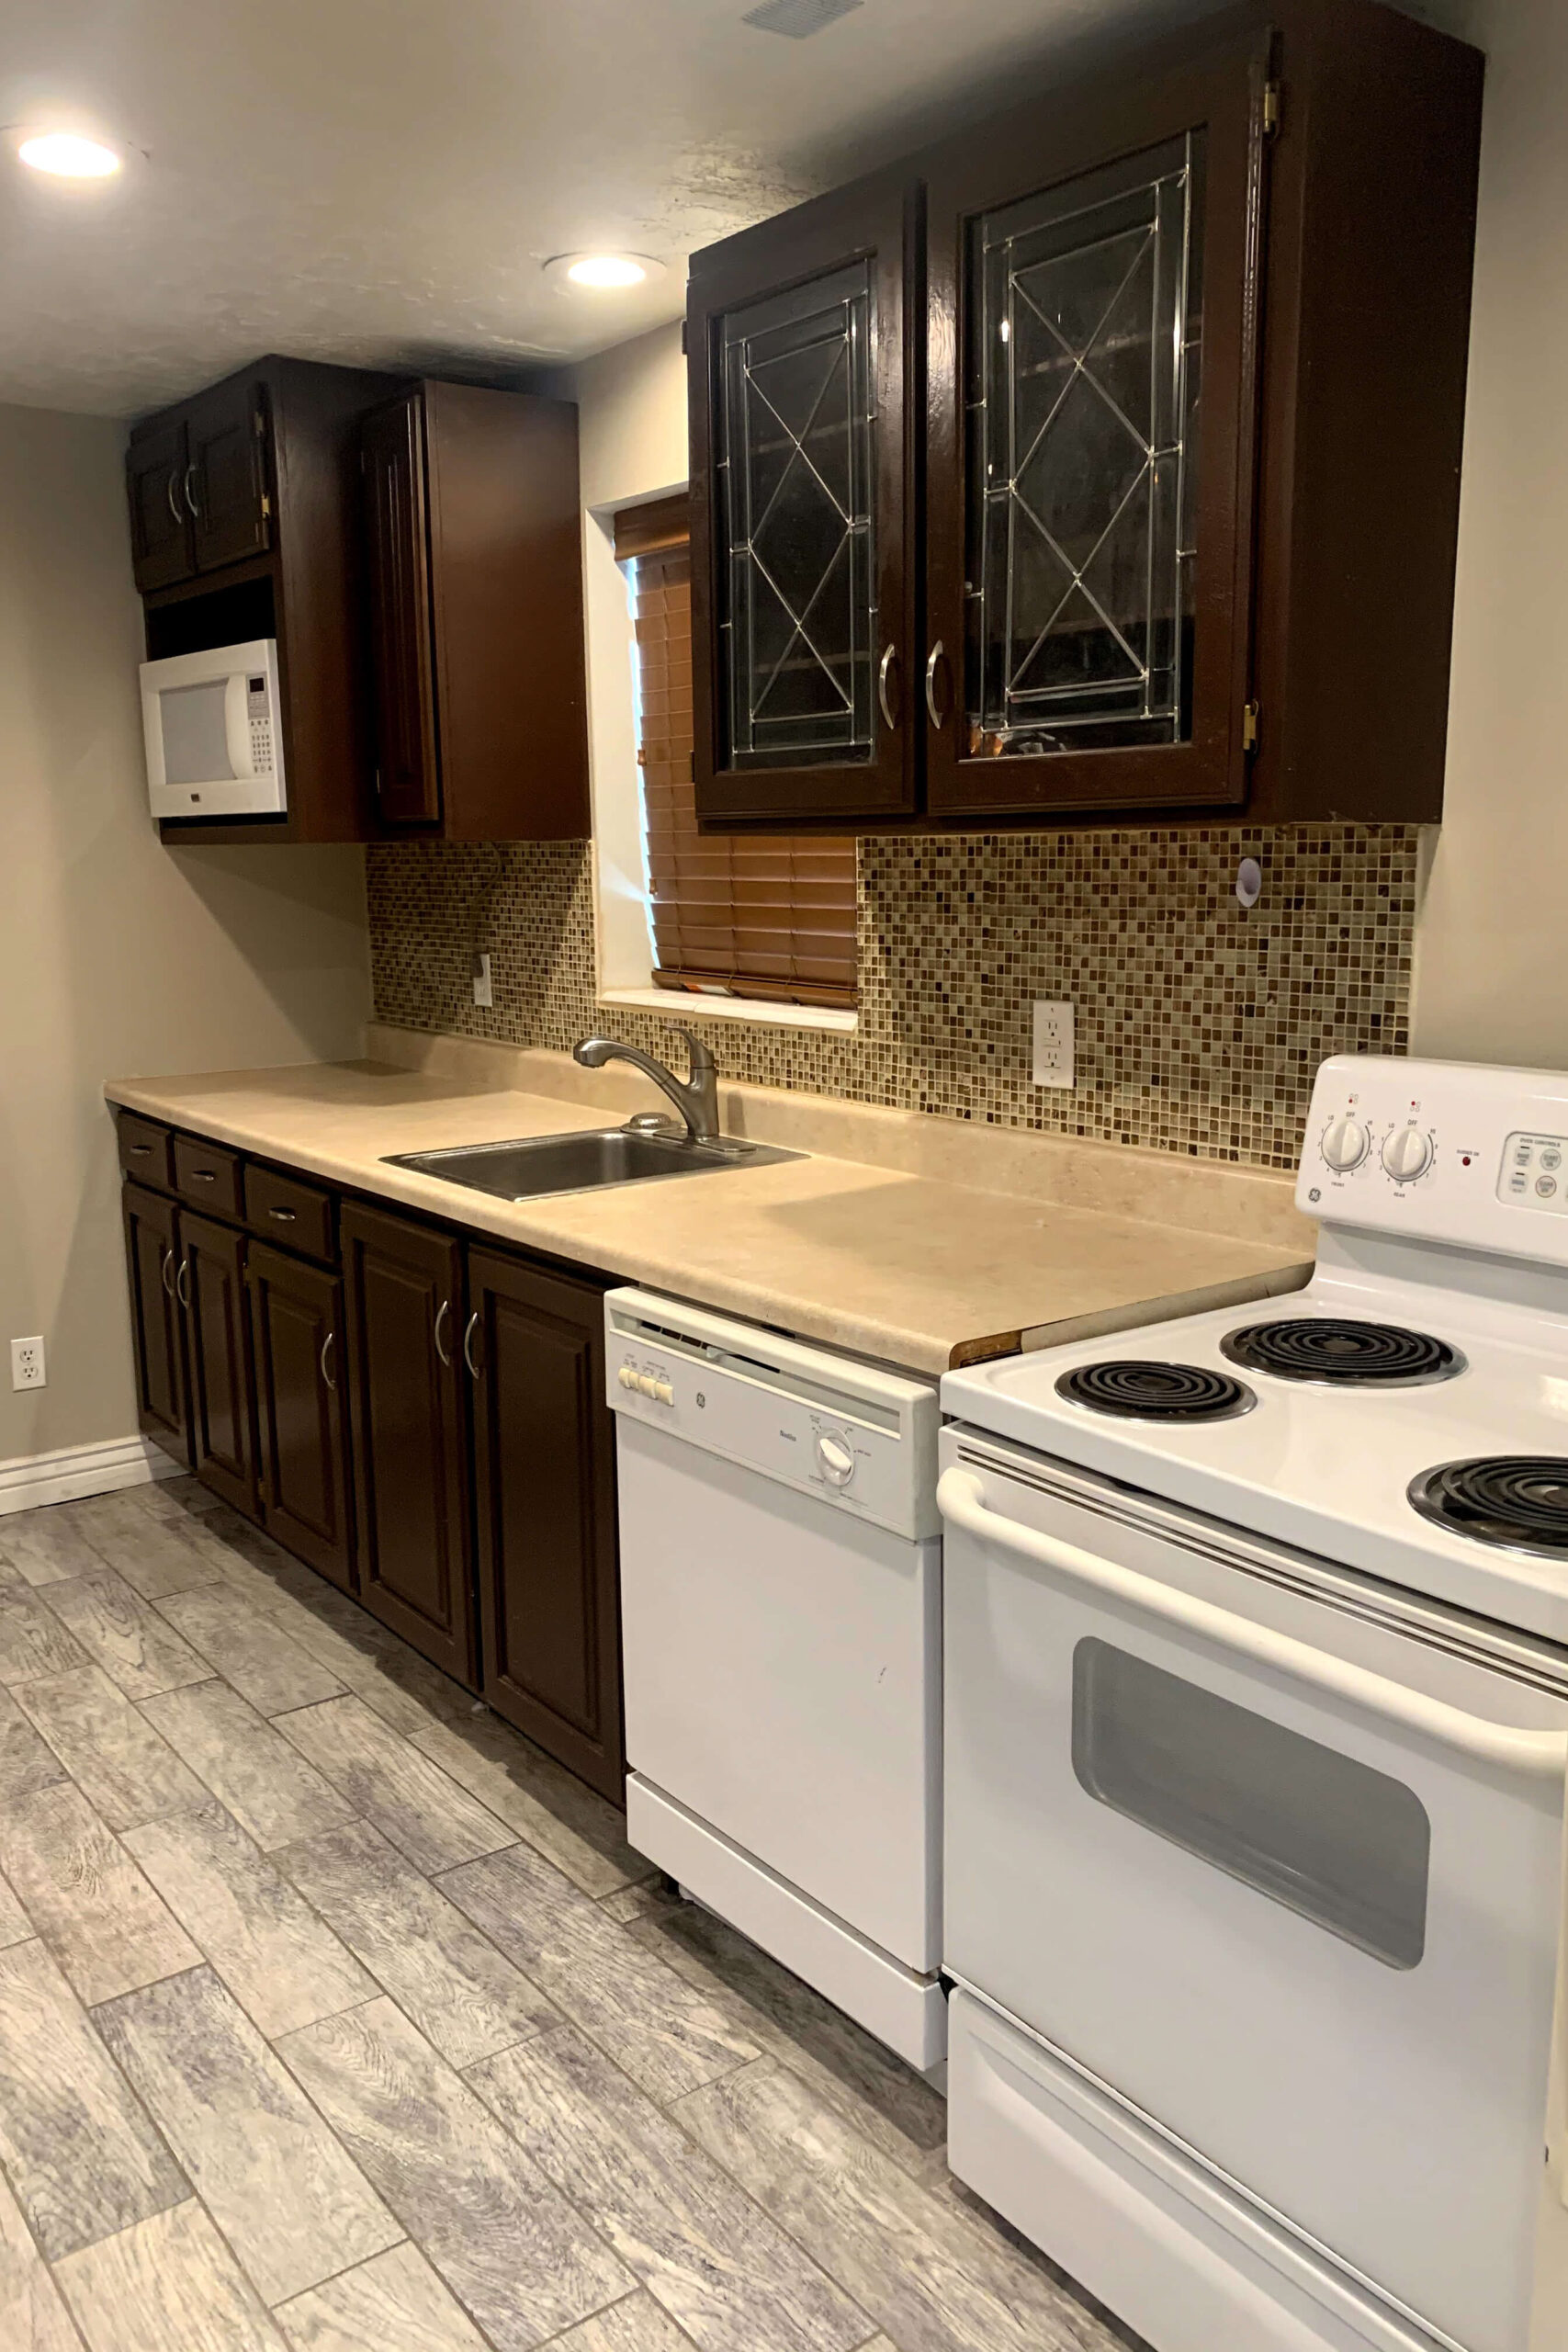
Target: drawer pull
{"points": [[328, 1345], [141, 1150], [284, 1217], [204, 1175]]}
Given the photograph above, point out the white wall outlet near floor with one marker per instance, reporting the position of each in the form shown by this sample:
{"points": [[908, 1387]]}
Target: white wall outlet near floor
{"points": [[27, 1363], [482, 991], [1053, 1045]]}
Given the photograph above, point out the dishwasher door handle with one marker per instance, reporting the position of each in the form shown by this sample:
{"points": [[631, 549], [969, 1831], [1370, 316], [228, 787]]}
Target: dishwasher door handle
{"points": [[1540, 1755]]}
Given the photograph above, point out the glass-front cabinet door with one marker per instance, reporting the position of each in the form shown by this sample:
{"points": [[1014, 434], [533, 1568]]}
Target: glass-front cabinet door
{"points": [[801, 517], [1093, 318]]}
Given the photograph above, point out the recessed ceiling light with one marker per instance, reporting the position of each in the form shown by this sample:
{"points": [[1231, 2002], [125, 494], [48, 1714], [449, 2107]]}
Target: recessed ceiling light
{"points": [[69, 156], [603, 273]]}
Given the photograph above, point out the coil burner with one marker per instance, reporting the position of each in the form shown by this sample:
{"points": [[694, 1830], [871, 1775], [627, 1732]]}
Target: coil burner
{"points": [[1156, 1392], [1338, 1353]]}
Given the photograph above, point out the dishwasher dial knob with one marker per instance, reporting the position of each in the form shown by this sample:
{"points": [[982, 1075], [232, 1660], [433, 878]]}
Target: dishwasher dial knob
{"points": [[1345, 1143], [1408, 1154], [835, 1458]]}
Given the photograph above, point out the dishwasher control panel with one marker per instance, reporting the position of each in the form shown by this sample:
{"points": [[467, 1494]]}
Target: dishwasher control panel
{"points": [[861, 1439]]}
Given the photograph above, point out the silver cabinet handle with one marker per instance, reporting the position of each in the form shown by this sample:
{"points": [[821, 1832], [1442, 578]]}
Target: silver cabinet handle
{"points": [[182, 1282], [937, 717], [204, 1175], [443, 1314], [172, 486], [469, 1328], [166, 1272], [139, 1150], [190, 501], [887, 671], [284, 1217], [1540, 1755], [328, 1345]]}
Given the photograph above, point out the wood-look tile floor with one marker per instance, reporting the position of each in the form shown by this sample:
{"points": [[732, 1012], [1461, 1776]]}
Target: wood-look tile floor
{"points": [[335, 2018]]}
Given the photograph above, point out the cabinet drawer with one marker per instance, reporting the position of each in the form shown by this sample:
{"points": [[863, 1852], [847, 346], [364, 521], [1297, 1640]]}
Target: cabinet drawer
{"points": [[145, 1151], [295, 1214], [208, 1175]]}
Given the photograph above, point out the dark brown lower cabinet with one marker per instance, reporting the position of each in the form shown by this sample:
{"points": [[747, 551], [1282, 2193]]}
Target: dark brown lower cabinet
{"points": [[545, 1507], [301, 1427], [211, 1283], [157, 1336], [403, 1297]]}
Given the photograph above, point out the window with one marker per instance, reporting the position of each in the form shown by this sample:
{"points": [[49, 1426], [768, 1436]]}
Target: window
{"points": [[766, 916]]}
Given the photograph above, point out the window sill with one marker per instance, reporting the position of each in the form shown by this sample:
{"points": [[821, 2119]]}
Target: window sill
{"points": [[673, 1004]]}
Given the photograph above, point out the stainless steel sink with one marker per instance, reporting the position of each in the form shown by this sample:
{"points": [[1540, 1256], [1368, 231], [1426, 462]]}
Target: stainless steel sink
{"points": [[582, 1163]]}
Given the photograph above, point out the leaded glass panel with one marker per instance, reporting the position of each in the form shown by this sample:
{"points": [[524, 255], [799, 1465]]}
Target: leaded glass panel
{"points": [[1086, 329], [798, 619]]}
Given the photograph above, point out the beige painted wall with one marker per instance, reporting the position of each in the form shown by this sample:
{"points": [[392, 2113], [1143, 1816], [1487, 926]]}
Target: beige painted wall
{"points": [[115, 955], [1490, 976]]}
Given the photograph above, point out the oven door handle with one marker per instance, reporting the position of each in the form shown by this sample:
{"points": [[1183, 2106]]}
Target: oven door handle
{"points": [[1540, 1755]]}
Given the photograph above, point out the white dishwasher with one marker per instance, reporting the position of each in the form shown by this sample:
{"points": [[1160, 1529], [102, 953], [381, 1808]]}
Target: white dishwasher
{"points": [[781, 1602]]}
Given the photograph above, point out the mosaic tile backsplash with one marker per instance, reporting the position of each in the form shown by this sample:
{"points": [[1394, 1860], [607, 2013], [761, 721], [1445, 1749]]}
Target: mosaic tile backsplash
{"points": [[1198, 1026]]}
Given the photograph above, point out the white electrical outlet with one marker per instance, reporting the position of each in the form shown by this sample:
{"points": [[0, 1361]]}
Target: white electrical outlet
{"points": [[27, 1363], [1053, 1045], [482, 992]]}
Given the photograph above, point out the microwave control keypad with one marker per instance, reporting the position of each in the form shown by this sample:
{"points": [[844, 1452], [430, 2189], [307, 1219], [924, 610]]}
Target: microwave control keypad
{"points": [[259, 709]]}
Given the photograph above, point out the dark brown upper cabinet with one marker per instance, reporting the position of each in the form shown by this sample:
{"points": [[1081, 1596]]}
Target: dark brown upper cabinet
{"points": [[475, 580], [246, 523], [227, 474], [1187, 403], [802, 510], [199, 485], [156, 465], [1091, 462]]}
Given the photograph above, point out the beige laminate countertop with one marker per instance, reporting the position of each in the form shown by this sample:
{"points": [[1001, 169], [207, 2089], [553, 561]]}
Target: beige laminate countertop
{"points": [[909, 1268]]}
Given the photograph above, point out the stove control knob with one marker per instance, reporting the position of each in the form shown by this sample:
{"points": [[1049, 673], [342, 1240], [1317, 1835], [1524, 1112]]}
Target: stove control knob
{"points": [[835, 1458], [1408, 1154], [1345, 1143]]}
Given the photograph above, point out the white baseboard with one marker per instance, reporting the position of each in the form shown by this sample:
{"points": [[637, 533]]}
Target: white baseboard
{"points": [[77, 1470]]}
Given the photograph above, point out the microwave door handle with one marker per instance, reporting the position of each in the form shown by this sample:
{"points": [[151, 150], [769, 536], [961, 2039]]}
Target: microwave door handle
{"points": [[1540, 1755], [237, 725]]}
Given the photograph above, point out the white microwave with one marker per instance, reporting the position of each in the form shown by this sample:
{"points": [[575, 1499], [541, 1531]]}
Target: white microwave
{"points": [[214, 739]]}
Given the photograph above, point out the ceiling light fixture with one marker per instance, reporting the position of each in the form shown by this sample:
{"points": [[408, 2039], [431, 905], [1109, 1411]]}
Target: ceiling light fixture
{"points": [[603, 273], [68, 155]]}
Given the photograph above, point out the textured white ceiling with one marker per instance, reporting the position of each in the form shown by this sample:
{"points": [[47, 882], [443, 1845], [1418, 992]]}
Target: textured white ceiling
{"points": [[377, 181]]}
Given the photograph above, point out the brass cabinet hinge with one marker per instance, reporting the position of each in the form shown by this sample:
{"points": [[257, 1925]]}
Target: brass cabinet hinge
{"points": [[1250, 727], [1270, 108], [266, 501]]}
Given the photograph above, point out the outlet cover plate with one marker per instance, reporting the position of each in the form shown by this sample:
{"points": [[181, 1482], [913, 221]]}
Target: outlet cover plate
{"points": [[27, 1363], [1053, 1044]]}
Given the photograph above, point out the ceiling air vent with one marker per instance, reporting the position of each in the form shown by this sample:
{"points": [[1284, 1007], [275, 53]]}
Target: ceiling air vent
{"points": [[796, 19]]}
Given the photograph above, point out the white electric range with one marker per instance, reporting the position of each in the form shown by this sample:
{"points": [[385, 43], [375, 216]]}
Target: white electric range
{"points": [[1256, 1659]]}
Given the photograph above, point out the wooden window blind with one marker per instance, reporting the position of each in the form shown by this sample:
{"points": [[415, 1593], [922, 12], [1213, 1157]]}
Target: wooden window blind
{"points": [[769, 917]]}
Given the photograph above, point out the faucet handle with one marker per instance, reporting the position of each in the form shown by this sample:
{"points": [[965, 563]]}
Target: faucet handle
{"points": [[702, 1056]]}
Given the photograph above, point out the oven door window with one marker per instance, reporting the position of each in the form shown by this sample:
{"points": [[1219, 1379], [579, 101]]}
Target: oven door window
{"points": [[1305, 1825]]}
